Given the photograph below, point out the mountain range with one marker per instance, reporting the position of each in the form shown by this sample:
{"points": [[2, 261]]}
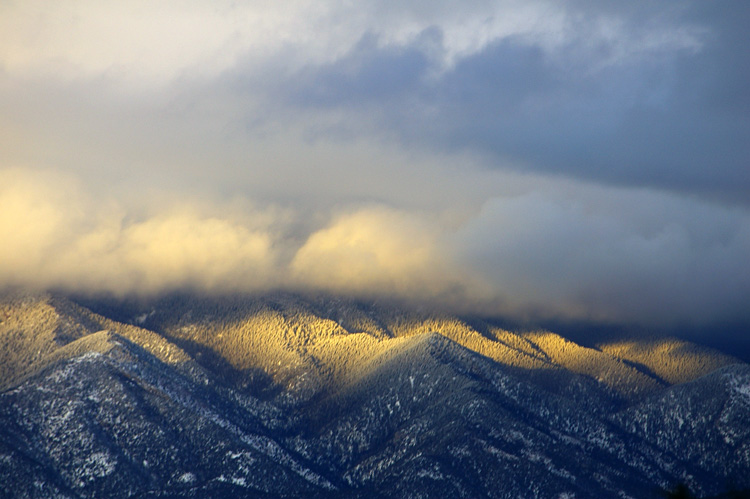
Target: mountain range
{"points": [[288, 395]]}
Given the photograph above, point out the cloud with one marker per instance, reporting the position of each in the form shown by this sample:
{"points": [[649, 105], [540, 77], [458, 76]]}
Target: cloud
{"points": [[612, 254], [553, 159], [180, 250], [142, 45], [58, 236], [557, 250], [642, 94], [648, 96], [377, 251]]}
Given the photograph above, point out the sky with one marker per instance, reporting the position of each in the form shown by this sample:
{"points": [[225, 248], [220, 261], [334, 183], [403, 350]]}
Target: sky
{"points": [[535, 159]]}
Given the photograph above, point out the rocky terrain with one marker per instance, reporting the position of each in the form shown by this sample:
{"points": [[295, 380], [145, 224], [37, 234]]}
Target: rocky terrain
{"points": [[289, 396]]}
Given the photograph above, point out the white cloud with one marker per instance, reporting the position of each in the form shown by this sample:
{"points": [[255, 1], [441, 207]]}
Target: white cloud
{"points": [[145, 43]]}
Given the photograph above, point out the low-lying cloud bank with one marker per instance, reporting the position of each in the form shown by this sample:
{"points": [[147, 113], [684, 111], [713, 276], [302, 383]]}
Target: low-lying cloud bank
{"points": [[582, 251], [59, 236]]}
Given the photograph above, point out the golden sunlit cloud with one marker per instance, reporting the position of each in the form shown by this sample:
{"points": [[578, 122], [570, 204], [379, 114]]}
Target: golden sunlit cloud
{"points": [[59, 236], [374, 248]]}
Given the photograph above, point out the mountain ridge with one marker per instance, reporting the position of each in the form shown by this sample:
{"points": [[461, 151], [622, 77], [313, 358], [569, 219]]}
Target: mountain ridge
{"points": [[339, 398]]}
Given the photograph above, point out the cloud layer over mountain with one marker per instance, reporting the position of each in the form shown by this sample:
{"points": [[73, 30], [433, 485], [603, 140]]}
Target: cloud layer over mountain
{"points": [[566, 159]]}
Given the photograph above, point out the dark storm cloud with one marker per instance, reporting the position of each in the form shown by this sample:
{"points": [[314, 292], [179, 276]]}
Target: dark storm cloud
{"points": [[662, 102], [367, 75], [613, 255]]}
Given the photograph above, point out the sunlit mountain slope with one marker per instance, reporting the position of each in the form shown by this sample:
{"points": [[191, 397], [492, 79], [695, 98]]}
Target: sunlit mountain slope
{"points": [[306, 347], [673, 360], [38, 329]]}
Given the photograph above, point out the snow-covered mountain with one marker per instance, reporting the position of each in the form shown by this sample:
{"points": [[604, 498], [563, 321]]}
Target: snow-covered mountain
{"points": [[289, 396]]}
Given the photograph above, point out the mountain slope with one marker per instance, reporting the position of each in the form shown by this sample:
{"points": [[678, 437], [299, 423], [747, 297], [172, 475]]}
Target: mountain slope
{"points": [[118, 421], [286, 396], [705, 423]]}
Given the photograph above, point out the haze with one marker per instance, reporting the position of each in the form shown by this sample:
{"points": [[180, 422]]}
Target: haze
{"points": [[547, 159]]}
